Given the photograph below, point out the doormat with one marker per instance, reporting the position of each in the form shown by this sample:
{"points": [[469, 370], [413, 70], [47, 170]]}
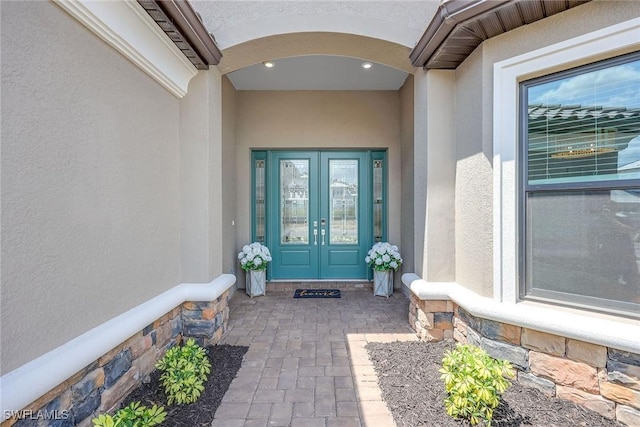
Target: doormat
{"points": [[317, 293]]}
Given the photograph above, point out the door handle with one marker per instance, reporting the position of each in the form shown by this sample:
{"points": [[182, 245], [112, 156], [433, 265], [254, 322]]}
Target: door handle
{"points": [[315, 237], [322, 232]]}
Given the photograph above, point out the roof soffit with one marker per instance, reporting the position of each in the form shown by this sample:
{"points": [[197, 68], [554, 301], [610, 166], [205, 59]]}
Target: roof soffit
{"points": [[459, 26], [184, 27]]}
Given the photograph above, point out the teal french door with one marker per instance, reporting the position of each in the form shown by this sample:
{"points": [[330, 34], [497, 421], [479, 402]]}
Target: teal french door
{"points": [[319, 214]]}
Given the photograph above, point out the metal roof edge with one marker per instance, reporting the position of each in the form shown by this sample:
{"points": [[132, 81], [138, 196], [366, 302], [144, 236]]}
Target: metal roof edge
{"points": [[449, 15], [188, 21]]}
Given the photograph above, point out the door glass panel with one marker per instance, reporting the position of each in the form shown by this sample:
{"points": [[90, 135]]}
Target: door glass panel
{"points": [[294, 201], [260, 208], [377, 200], [343, 201]]}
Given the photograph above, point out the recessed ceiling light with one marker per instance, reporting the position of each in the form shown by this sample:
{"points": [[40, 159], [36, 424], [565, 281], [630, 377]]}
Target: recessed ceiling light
{"points": [[269, 64], [366, 65]]}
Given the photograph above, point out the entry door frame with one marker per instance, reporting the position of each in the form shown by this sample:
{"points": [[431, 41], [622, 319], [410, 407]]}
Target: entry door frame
{"points": [[264, 220]]}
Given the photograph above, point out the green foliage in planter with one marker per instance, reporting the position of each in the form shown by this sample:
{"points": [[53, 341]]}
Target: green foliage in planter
{"points": [[474, 382], [185, 370], [134, 415]]}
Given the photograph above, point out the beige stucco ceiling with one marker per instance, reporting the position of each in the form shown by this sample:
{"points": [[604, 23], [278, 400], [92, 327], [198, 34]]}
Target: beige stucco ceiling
{"points": [[318, 72]]}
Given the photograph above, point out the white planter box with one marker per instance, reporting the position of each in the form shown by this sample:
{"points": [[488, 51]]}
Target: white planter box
{"points": [[256, 282], [383, 283]]}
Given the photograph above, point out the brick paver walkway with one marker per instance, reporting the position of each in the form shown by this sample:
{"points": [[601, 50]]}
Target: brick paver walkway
{"points": [[307, 365]]}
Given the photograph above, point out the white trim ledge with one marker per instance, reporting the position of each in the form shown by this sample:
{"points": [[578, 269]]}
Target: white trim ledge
{"points": [[129, 29], [24, 385], [590, 327]]}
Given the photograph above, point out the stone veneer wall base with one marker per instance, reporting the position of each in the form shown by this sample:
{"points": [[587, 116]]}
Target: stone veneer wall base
{"points": [[603, 379], [102, 385]]}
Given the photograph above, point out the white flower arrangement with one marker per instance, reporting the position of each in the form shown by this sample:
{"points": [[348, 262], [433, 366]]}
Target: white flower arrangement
{"points": [[383, 256], [254, 256]]}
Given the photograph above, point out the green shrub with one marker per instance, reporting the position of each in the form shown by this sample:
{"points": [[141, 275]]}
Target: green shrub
{"points": [[474, 382], [185, 370], [134, 415]]}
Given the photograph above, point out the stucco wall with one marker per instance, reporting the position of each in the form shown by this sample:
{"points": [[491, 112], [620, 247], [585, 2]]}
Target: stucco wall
{"points": [[194, 181], [216, 173], [229, 247], [90, 213], [406, 128], [206, 162], [419, 159], [441, 169], [237, 22], [474, 180], [317, 119], [474, 129]]}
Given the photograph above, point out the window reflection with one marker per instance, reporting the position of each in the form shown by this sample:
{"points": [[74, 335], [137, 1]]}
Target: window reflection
{"points": [[294, 201], [343, 201], [585, 126]]}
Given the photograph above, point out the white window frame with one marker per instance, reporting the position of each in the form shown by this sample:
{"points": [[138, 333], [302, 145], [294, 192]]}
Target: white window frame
{"points": [[508, 74]]}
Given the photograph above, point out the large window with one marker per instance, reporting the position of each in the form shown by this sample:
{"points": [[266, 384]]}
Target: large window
{"points": [[580, 198]]}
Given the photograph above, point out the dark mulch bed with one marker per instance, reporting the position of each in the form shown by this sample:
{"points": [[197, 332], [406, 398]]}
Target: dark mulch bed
{"points": [[412, 388], [225, 363]]}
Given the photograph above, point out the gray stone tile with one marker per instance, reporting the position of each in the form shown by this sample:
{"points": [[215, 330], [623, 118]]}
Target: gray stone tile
{"points": [[299, 395], [238, 395], [347, 409], [308, 422], [287, 380], [268, 383], [311, 371], [281, 412], [259, 410], [256, 422], [228, 422], [290, 364], [345, 395], [325, 386], [306, 382], [337, 371], [325, 406], [274, 362], [232, 410], [269, 396], [348, 422], [303, 409], [343, 382]]}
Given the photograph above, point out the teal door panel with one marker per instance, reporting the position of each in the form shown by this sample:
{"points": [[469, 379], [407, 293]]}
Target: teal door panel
{"points": [[343, 211], [344, 257], [320, 214], [293, 207]]}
